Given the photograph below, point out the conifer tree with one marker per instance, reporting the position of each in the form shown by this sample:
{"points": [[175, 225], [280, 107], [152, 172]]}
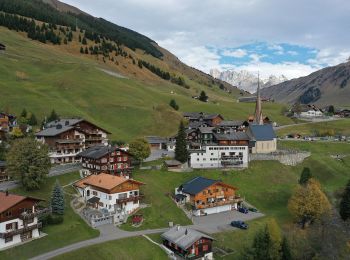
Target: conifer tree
{"points": [[261, 245], [32, 120], [181, 153], [57, 199], [86, 50], [53, 116], [84, 41], [285, 250], [305, 176], [24, 113], [203, 96], [173, 104], [81, 49], [344, 208]]}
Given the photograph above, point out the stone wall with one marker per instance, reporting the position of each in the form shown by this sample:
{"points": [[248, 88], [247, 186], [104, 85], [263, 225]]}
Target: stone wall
{"points": [[285, 157]]}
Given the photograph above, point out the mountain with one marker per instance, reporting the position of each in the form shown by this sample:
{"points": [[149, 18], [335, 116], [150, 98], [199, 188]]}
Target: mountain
{"points": [[114, 78], [246, 80], [328, 86]]}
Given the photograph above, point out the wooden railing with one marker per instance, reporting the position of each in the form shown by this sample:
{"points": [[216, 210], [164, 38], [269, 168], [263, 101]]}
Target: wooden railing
{"points": [[12, 233], [26, 216], [217, 203], [131, 198]]}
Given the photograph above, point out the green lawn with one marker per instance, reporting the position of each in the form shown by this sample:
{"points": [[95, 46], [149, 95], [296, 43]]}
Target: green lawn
{"points": [[72, 230], [132, 248], [340, 127]]}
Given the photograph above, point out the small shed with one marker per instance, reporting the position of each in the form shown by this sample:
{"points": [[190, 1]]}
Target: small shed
{"points": [[173, 164]]}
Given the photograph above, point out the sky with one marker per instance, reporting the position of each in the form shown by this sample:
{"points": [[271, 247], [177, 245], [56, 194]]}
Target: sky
{"points": [[274, 37]]}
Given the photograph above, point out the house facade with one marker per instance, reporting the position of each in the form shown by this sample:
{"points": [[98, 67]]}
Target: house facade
{"points": [[188, 243], [203, 118], [67, 138], [100, 158], [306, 111], [263, 138], [207, 196], [18, 219], [113, 194]]}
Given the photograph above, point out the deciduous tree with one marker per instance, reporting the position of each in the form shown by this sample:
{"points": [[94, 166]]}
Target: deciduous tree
{"points": [[140, 149], [28, 162]]}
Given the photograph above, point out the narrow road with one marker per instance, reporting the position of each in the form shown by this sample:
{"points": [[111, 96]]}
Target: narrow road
{"points": [[105, 236], [306, 123]]}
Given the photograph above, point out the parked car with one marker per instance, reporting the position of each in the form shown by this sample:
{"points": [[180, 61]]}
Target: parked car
{"points": [[253, 209], [239, 224], [243, 210]]}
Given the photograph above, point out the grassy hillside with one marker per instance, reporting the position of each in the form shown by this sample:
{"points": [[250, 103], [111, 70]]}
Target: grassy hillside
{"points": [[42, 77]]}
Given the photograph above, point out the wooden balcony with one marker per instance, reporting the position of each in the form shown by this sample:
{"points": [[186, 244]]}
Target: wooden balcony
{"points": [[131, 198], [217, 203], [12, 233], [26, 216]]}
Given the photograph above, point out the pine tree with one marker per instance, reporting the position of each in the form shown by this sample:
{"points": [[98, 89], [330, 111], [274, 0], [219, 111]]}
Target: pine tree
{"points": [[84, 41], [285, 250], [79, 38], [53, 116], [86, 50], [81, 50], [261, 245], [173, 104], [65, 41], [32, 120], [203, 96], [57, 199], [344, 208], [24, 113], [305, 176], [181, 153]]}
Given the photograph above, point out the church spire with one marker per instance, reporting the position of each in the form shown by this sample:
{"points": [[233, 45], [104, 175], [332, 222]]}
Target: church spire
{"points": [[258, 117]]}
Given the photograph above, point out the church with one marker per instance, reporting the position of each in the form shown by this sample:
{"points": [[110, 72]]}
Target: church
{"points": [[262, 136]]}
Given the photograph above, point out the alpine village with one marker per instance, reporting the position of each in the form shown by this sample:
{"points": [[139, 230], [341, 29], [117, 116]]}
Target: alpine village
{"points": [[112, 148]]}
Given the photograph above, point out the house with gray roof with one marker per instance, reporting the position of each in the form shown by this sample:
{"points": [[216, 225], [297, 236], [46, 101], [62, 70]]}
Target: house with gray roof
{"points": [[188, 243], [263, 138]]}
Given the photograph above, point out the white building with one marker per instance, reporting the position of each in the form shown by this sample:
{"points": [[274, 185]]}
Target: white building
{"points": [[219, 156], [18, 219], [110, 193], [311, 113]]}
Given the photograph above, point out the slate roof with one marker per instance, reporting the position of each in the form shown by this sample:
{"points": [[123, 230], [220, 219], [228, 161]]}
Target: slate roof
{"points": [[53, 131], [227, 123], [262, 132], [94, 200], [96, 152], [206, 130], [232, 136], [156, 139], [184, 237], [2, 164], [195, 124], [64, 122], [196, 185]]}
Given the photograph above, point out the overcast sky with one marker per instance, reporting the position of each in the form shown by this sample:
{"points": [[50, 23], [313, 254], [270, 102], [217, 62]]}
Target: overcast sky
{"points": [[290, 37]]}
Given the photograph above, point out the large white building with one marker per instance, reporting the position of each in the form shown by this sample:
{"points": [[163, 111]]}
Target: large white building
{"points": [[219, 156], [18, 219], [110, 193]]}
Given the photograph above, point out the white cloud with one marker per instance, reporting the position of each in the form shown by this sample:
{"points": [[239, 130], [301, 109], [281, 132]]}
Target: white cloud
{"points": [[293, 53], [239, 53]]}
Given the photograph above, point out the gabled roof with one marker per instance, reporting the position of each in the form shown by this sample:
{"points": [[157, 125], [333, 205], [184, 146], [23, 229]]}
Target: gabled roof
{"points": [[236, 136], [96, 152], [262, 132], [198, 115], [64, 122], [156, 139], [104, 181], [184, 237], [206, 130], [10, 200], [2, 164], [227, 123], [53, 131], [196, 185]]}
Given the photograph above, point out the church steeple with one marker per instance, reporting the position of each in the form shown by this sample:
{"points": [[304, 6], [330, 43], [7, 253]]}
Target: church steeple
{"points": [[258, 117]]}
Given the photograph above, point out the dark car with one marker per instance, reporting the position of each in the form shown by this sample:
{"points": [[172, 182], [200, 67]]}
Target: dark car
{"points": [[243, 210], [239, 224]]}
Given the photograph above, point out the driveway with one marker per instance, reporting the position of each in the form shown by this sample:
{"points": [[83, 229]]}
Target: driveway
{"points": [[157, 154], [221, 221]]}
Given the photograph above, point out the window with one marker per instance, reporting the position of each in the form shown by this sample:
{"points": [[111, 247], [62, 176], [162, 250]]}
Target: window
{"points": [[8, 213], [204, 192], [110, 197], [8, 239], [94, 193]]}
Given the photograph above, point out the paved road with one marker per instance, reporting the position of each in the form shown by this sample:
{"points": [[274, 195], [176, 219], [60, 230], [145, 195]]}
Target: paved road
{"points": [[157, 154], [308, 122], [8, 185]]}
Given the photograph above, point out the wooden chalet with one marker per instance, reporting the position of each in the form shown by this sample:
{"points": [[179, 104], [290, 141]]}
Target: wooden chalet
{"points": [[106, 159], [209, 119], [208, 196], [188, 243], [18, 219]]}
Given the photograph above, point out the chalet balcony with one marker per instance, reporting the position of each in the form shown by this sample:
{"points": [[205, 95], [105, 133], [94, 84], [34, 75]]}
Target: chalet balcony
{"points": [[26, 216], [12, 233], [131, 198], [206, 205], [231, 160], [70, 141]]}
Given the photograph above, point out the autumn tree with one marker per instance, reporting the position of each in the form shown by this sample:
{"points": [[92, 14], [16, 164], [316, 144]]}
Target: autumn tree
{"points": [[344, 208], [28, 162], [305, 176], [16, 133], [181, 153], [308, 203], [140, 149]]}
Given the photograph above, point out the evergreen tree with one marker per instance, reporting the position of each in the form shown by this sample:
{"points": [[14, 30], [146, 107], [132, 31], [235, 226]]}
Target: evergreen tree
{"points": [[65, 41], [57, 199], [344, 208], [173, 104], [81, 50], [331, 109], [53, 116], [203, 96], [79, 38], [86, 50], [24, 113], [305, 176], [32, 120], [261, 245], [84, 41], [181, 153], [285, 250], [2, 151]]}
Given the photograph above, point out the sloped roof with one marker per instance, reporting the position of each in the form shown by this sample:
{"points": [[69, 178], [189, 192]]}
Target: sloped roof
{"points": [[197, 184], [156, 139], [236, 136], [98, 151], [262, 132], [104, 181], [10, 200], [228, 123], [184, 237], [53, 131], [2, 163], [206, 130], [64, 122], [197, 115]]}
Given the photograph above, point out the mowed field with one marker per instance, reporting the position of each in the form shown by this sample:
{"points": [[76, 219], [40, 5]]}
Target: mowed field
{"points": [[42, 77]]}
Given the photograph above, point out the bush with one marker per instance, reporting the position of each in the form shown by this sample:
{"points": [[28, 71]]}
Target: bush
{"points": [[51, 219]]}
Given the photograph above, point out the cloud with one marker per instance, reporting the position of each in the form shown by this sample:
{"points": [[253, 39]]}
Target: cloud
{"points": [[293, 53], [239, 53]]}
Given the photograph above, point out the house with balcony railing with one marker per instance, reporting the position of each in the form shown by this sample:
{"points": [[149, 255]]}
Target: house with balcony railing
{"points": [[207, 196], [19, 219], [111, 195]]}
